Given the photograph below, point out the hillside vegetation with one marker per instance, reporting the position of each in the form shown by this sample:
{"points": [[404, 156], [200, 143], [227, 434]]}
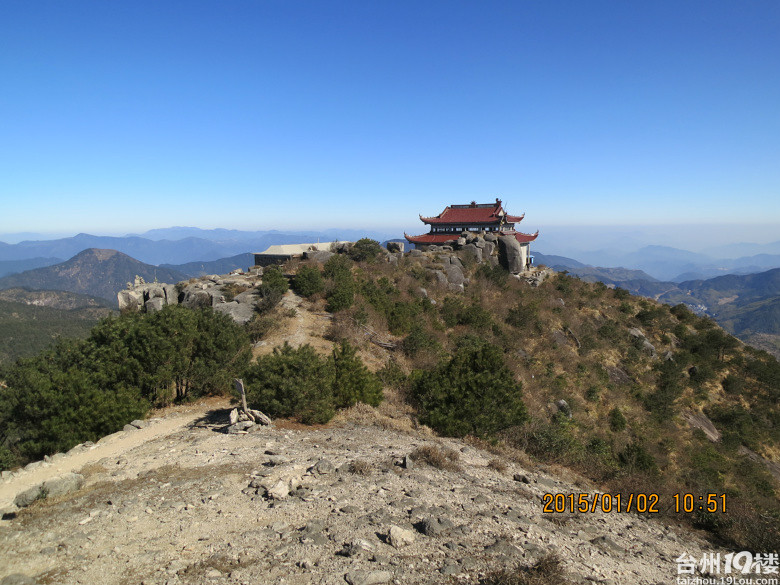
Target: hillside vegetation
{"points": [[30, 321], [569, 372]]}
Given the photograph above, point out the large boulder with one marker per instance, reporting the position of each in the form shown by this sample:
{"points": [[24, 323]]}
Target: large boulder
{"points": [[489, 248], [510, 254], [64, 484], [51, 488], [171, 294], [472, 251], [320, 256], [250, 296], [154, 304], [441, 278], [129, 299], [239, 312], [454, 274], [154, 291], [395, 246], [196, 298]]}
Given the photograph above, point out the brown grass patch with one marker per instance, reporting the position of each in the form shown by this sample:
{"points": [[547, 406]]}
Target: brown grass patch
{"points": [[546, 571], [497, 464], [360, 467], [437, 457]]}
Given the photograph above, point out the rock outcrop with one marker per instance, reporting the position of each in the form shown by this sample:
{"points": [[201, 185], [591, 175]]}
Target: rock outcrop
{"points": [[234, 294]]}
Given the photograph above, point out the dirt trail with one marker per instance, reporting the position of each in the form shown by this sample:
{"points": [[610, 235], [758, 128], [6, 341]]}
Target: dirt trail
{"points": [[305, 327], [109, 446]]}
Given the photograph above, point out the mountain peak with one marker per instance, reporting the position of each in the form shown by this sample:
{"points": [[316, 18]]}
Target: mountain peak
{"points": [[99, 254]]}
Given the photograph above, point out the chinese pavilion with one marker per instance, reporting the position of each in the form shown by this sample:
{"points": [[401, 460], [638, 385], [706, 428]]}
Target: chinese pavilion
{"points": [[450, 224]]}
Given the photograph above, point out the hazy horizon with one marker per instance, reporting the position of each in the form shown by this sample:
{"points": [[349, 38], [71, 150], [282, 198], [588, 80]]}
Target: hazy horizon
{"points": [[553, 239]]}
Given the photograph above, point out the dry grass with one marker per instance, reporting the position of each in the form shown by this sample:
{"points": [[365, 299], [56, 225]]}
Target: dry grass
{"points": [[360, 467], [437, 457], [546, 571], [497, 464], [365, 415]]}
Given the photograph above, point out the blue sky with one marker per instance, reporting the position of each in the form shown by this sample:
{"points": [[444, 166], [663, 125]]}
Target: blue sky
{"points": [[119, 117]]}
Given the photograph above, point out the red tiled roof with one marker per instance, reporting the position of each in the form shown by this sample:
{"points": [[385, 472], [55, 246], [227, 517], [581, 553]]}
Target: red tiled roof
{"points": [[432, 238], [514, 218], [521, 237], [474, 213]]}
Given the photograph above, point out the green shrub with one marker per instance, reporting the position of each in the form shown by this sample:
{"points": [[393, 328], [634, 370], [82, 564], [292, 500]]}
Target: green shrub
{"points": [[455, 311], [341, 293], [259, 326], [451, 309], [173, 353], [272, 289], [292, 383], [550, 440], [51, 406], [617, 422], [379, 294], [308, 281], [593, 393], [352, 381], [472, 393], [610, 331], [300, 383], [338, 265], [668, 388], [8, 459], [420, 340], [636, 457], [496, 275], [392, 375], [81, 391], [682, 312], [648, 316], [274, 278], [563, 283], [476, 316], [621, 293], [402, 317], [365, 249]]}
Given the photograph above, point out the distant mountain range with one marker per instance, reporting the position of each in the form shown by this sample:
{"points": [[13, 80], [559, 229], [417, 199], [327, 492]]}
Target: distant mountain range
{"points": [[675, 265], [221, 266], [178, 245], [95, 272], [14, 266]]}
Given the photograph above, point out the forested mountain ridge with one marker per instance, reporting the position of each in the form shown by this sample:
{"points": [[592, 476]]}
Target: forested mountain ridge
{"points": [[94, 272]]}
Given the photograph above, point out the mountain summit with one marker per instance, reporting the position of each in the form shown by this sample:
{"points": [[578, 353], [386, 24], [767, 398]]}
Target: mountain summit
{"points": [[96, 272]]}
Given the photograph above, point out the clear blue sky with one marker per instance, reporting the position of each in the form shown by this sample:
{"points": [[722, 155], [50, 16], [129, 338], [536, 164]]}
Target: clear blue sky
{"points": [[118, 117]]}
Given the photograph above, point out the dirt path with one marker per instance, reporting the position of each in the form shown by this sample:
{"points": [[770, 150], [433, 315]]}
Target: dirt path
{"points": [[305, 327], [109, 446]]}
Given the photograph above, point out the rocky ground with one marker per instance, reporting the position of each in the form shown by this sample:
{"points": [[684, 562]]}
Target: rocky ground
{"points": [[290, 504]]}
